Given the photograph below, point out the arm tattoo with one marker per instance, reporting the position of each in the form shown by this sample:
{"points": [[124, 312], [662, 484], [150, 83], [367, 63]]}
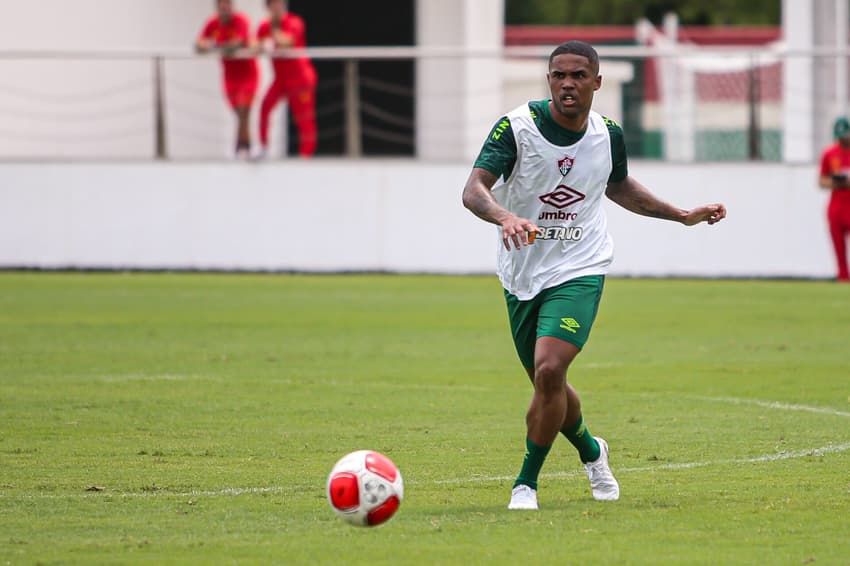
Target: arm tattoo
{"points": [[478, 198], [647, 210]]}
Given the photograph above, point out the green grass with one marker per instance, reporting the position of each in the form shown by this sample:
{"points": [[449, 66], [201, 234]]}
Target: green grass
{"points": [[210, 409]]}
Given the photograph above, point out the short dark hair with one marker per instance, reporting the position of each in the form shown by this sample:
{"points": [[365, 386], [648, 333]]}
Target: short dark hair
{"points": [[580, 48], [841, 128]]}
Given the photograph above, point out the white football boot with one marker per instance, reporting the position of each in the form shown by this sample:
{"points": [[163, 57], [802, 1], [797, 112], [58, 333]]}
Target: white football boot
{"points": [[523, 497], [603, 485]]}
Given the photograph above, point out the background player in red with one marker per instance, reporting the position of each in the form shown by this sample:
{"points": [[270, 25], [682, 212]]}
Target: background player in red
{"points": [[835, 175], [294, 79], [229, 31]]}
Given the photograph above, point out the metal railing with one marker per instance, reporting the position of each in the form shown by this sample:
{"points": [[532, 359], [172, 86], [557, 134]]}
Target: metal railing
{"points": [[171, 104]]}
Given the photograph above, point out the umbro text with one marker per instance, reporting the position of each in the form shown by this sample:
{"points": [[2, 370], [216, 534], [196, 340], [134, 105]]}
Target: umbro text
{"points": [[560, 215]]}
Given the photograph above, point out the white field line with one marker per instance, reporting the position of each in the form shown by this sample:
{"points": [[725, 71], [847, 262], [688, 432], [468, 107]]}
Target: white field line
{"points": [[771, 405], [382, 385], [765, 458], [153, 377], [237, 491], [233, 491], [226, 492], [828, 449]]}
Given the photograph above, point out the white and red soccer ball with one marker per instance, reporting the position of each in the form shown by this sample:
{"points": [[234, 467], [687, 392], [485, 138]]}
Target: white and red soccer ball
{"points": [[365, 488]]}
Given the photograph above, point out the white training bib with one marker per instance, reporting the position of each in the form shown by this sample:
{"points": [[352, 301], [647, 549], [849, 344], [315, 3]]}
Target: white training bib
{"points": [[560, 189]]}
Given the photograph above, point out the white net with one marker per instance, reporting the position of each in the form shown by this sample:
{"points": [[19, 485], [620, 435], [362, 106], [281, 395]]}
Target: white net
{"points": [[716, 105]]}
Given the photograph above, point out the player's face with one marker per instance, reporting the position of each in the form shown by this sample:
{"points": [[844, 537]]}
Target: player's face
{"points": [[572, 82], [225, 8], [277, 8]]}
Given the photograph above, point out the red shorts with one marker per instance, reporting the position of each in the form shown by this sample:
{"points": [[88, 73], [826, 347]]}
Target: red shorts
{"points": [[241, 92], [838, 213]]}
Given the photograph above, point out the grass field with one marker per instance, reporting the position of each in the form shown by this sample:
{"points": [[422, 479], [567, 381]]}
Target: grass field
{"points": [[209, 409]]}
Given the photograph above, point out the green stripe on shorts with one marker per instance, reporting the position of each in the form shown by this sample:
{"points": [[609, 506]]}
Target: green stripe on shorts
{"points": [[566, 311]]}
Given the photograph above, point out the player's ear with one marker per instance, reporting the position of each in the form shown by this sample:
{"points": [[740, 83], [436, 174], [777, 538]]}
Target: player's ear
{"points": [[598, 82]]}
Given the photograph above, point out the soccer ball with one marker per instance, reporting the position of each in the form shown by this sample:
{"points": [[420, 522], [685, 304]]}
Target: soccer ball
{"points": [[365, 488]]}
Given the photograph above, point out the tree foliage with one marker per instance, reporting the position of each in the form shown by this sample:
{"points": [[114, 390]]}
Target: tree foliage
{"points": [[627, 12]]}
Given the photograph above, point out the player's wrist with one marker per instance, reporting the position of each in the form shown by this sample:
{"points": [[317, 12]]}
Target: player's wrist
{"points": [[682, 216], [505, 218]]}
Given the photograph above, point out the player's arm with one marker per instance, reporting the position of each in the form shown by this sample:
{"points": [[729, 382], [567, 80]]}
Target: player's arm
{"points": [[277, 39], [825, 180], [264, 36], [830, 177], [478, 198], [283, 39], [205, 42], [497, 159], [835, 182], [203, 45], [634, 197]]}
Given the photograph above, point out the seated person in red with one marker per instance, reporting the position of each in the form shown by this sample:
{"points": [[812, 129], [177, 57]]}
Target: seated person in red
{"points": [[294, 78], [228, 31]]}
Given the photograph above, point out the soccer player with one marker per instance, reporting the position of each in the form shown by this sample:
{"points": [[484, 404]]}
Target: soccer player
{"points": [[557, 158], [294, 78], [228, 31], [835, 176]]}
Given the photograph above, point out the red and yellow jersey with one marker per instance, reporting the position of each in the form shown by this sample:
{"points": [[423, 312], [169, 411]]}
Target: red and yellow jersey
{"points": [[238, 28], [836, 161], [297, 71]]}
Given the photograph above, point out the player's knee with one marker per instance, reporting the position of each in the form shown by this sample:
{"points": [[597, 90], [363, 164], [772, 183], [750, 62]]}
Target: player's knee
{"points": [[550, 377]]}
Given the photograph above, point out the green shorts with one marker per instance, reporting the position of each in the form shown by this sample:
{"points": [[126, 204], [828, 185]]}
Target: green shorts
{"points": [[566, 312]]}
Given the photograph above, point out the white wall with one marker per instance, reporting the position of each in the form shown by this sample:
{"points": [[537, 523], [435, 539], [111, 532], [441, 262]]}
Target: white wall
{"points": [[381, 215]]}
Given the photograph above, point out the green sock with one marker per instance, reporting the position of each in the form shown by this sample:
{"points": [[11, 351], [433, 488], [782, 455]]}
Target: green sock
{"points": [[580, 437], [534, 458]]}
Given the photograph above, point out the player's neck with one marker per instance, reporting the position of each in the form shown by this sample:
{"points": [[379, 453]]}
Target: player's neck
{"points": [[576, 123]]}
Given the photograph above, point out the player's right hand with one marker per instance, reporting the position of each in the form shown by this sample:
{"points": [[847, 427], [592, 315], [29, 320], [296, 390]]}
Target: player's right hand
{"points": [[518, 231]]}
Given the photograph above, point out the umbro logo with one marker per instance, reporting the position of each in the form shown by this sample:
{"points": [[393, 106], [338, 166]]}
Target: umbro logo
{"points": [[562, 197], [570, 324]]}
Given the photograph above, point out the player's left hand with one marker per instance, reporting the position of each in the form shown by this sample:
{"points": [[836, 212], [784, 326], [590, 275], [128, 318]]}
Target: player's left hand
{"points": [[711, 213]]}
